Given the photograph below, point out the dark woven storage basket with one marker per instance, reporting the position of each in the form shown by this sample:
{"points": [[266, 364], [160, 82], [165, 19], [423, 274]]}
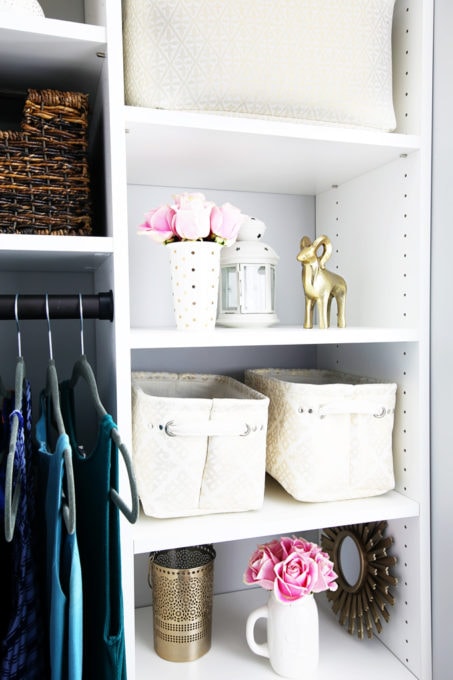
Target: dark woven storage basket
{"points": [[44, 177]]}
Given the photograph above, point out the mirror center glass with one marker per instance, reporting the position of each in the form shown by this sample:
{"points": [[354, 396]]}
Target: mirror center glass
{"points": [[350, 561]]}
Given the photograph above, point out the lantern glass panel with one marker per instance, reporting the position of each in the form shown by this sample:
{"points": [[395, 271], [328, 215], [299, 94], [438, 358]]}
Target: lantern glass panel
{"points": [[272, 284], [230, 293], [254, 289]]}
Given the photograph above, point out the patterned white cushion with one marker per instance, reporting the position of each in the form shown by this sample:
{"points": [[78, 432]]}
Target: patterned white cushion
{"points": [[315, 60]]}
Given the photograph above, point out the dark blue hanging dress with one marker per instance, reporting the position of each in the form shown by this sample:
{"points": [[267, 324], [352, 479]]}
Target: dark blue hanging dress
{"points": [[23, 654], [99, 542], [5, 547], [62, 562]]}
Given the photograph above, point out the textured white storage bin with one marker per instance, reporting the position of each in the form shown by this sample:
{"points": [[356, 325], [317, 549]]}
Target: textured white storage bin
{"points": [[329, 433], [328, 61], [199, 443]]}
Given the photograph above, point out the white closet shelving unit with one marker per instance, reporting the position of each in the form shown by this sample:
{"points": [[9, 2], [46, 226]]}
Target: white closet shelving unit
{"points": [[369, 191]]}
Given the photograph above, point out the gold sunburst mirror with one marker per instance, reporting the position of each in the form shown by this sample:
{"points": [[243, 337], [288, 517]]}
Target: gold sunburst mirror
{"points": [[360, 553]]}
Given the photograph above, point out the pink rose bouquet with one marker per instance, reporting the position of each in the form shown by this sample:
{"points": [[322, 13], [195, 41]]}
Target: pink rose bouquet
{"points": [[192, 218], [292, 568]]}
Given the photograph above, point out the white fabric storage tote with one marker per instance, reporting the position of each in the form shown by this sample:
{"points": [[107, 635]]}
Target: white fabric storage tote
{"points": [[329, 433], [328, 61], [199, 443]]}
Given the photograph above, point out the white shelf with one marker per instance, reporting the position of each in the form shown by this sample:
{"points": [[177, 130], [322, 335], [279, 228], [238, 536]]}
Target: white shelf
{"points": [[280, 514], [143, 338], [180, 149], [41, 53], [27, 252], [342, 656]]}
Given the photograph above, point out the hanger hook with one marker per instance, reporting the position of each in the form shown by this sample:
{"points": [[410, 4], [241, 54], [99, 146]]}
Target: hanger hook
{"points": [[16, 316], [48, 327], [82, 343]]}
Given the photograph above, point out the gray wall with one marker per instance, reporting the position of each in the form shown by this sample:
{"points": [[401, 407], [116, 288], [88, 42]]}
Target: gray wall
{"points": [[441, 339]]}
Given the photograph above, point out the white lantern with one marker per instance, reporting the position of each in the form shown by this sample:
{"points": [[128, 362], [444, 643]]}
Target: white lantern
{"points": [[247, 279]]}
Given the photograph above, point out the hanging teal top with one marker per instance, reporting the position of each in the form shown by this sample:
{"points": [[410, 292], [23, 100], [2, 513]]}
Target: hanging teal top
{"points": [[98, 529], [62, 562]]}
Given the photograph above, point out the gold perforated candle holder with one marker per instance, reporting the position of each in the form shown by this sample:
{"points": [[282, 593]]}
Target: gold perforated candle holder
{"points": [[182, 585]]}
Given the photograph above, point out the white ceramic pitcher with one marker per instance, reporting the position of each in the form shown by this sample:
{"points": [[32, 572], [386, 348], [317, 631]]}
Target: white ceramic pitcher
{"points": [[292, 645]]}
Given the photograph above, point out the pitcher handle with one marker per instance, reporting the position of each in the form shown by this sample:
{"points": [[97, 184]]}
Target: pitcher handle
{"points": [[263, 648]]}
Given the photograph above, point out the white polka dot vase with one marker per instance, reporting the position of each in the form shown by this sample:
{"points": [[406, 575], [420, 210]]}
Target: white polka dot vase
{"points": [[195, 271]]}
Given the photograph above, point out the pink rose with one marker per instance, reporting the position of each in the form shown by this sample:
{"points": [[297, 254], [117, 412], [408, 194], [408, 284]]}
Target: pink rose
{"points": [[292, 568], [191, 218], [295, 577], [278, 549], [300, 544], [260, 570], [326, 575], [158, 224], [225, 222], [284, 546]]}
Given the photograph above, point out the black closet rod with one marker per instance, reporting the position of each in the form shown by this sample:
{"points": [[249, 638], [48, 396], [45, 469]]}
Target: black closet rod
{"points": [[98, 306]]}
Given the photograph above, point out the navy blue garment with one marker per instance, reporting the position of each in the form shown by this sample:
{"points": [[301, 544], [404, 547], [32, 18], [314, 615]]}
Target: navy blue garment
{"points": [[95, 473], [23, 650], [5, 547], [64, 596]]}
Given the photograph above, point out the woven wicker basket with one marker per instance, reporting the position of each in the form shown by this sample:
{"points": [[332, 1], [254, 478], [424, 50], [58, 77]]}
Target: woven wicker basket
{"points": [[44, 177]]}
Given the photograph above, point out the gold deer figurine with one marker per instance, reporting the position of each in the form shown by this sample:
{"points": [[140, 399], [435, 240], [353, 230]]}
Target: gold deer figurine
{"points": [[320, 285]]}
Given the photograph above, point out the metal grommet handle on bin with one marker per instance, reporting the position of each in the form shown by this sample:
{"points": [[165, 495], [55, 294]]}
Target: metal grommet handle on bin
{"points": [[182, 582]]}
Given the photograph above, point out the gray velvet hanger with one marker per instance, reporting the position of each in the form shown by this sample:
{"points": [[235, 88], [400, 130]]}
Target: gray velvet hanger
{"points": [[82, 369], [53, 391], [12, 498]]}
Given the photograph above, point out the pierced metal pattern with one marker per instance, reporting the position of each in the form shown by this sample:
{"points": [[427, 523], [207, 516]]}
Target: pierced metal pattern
{"points": [[182, 583]]}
